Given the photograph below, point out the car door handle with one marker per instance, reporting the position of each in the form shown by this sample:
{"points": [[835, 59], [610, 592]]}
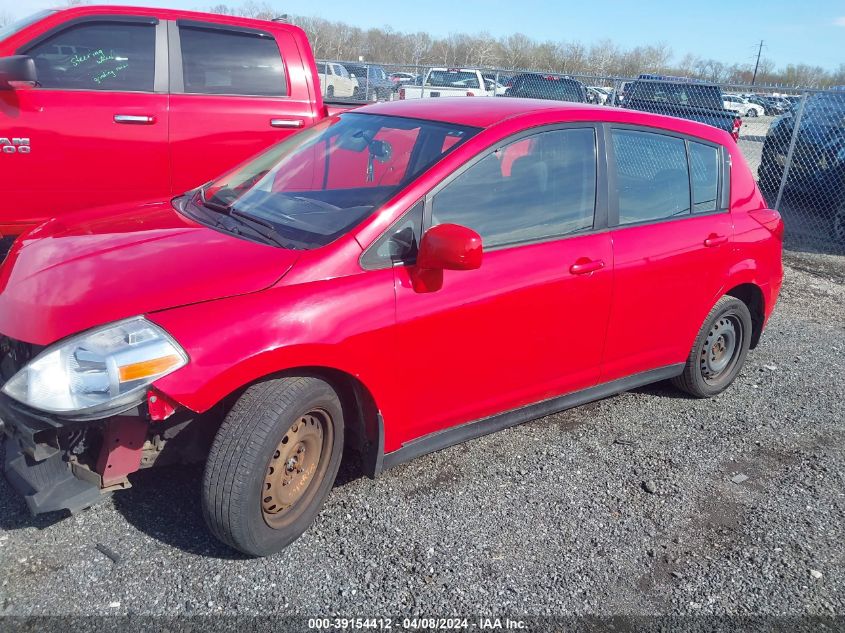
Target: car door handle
{"points": [[135, 119], [584, 266], [287, 123], [715, 240]]}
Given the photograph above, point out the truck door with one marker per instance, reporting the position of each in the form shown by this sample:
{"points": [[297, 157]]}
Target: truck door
{"points": [[234, 92], [95, 127]]}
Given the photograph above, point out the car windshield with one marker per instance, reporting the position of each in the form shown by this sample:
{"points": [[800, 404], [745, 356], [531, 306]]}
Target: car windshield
{"points": [[559, 89], [827, 107], [15, 27], [318, 184]]}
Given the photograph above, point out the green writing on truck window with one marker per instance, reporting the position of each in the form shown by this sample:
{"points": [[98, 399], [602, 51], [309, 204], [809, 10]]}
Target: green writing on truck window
{"points": [[109, 74], [97, 56]]}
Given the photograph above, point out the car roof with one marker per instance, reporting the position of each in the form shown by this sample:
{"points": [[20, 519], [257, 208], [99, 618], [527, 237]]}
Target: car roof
{"points": [[485, 112]]}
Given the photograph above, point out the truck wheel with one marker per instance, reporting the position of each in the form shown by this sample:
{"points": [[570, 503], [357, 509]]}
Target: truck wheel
{"points": [[272, 463], [719, 350]]}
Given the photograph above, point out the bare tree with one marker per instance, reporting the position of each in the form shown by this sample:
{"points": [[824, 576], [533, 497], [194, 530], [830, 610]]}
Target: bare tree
{"points": [[5, 18]]}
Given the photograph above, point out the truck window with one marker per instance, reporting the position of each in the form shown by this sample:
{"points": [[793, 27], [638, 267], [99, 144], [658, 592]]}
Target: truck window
{"points": [[453, 79], [549, 191], [97, 56], [652, 176], [693, 94], [216, 62]]}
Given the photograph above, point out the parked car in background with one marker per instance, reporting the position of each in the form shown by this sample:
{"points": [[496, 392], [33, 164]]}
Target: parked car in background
{"points": [[770, 106], [536, 86], [742, 105], [104, 105], [400, 79], [494, 87], [600, 94], [816, 178], [397, 279], [335, 80], [374, 84], [682, 98], [448, 82]]}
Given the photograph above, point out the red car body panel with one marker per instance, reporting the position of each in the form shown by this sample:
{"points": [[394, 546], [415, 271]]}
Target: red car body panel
{"points": [[98, 269], [521, 328], [80, 158]]}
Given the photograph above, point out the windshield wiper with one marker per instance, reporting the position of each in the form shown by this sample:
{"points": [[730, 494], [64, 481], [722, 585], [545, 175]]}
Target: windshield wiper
{"points": [[253, 223]]}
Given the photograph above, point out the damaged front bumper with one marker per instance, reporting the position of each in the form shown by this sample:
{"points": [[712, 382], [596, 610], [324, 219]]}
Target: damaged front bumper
{"points": [[45, 456]]}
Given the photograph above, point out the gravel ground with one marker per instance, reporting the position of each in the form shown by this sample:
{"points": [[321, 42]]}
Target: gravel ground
{"points": [[645, 503]]}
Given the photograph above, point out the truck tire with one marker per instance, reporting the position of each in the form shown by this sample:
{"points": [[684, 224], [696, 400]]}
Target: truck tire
{"points": [[272, 464], [719, 350]]}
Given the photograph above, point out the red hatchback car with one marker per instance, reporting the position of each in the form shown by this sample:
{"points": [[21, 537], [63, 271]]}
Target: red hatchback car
{"points": [[398, 279]]}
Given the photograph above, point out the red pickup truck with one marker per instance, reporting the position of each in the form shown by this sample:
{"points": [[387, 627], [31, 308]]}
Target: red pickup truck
{"points": [[102, 105]]}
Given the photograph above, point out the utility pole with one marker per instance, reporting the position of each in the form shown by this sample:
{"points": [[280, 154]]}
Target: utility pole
{"points": [[757, 65]]}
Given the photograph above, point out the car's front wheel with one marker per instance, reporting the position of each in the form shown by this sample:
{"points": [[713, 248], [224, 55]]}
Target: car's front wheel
{"points": [[751, 113], [272, 463], [719, 350]]}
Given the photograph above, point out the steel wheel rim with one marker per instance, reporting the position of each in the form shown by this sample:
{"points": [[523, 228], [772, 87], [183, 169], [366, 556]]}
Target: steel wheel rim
{"points": [[295, 467], [721, 348]]}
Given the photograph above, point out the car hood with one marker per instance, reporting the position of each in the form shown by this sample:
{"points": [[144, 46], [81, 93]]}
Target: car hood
{"points": [[91, 268]]}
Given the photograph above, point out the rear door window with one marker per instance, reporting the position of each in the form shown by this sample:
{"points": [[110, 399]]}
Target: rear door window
{"points": [[220, 61], [652, 176], [704, 166], [107, 55]]}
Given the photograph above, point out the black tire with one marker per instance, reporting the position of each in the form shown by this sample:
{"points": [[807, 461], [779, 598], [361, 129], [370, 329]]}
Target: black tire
{"points": [[700, 377], [751, 113], [245, 451]]}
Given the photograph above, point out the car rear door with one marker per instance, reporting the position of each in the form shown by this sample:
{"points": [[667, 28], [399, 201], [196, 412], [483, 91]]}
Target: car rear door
{"points": [[529, 324], [95, 126], [671, 245], [234, 92]]}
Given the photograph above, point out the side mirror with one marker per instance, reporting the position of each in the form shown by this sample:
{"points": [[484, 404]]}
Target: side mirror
{"points": [[449, 247], [15, 70]]}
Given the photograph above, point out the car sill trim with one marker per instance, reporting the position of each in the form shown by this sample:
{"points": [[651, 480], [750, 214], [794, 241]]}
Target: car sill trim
{"points": [[471, 430]]}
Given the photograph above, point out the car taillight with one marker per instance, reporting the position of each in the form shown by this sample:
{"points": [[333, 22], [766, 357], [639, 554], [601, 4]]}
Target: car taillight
{"points": [[470, 93], [735, 130], [770, 219], [401, 93]]}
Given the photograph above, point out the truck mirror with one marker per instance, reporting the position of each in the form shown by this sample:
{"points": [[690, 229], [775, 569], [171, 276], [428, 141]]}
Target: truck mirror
{"points": [[17, 70]]}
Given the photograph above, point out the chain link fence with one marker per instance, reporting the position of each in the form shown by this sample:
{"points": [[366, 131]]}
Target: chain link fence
{"points": [[793, 139]]}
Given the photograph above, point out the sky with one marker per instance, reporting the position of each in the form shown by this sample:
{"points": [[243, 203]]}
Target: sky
{"points": [[810, 32]]}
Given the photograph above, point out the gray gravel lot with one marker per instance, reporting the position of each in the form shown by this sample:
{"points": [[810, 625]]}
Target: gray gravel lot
{"points": [[553, 517]]}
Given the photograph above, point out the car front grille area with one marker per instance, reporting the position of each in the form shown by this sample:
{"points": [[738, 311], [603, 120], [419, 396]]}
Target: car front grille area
{"points": [[14, 355]]}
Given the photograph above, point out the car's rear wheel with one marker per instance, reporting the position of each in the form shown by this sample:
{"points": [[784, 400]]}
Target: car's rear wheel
{"points": [[719, 350], [751, 112], [272, 464]]}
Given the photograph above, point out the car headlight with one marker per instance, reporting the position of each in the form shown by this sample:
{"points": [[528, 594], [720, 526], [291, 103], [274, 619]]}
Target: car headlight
{"points": [[102, 371]]}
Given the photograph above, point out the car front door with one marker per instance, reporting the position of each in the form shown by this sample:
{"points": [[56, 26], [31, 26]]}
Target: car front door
{"points": [[234, 92], [95, 127], [671, 246], [529, 324]]}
